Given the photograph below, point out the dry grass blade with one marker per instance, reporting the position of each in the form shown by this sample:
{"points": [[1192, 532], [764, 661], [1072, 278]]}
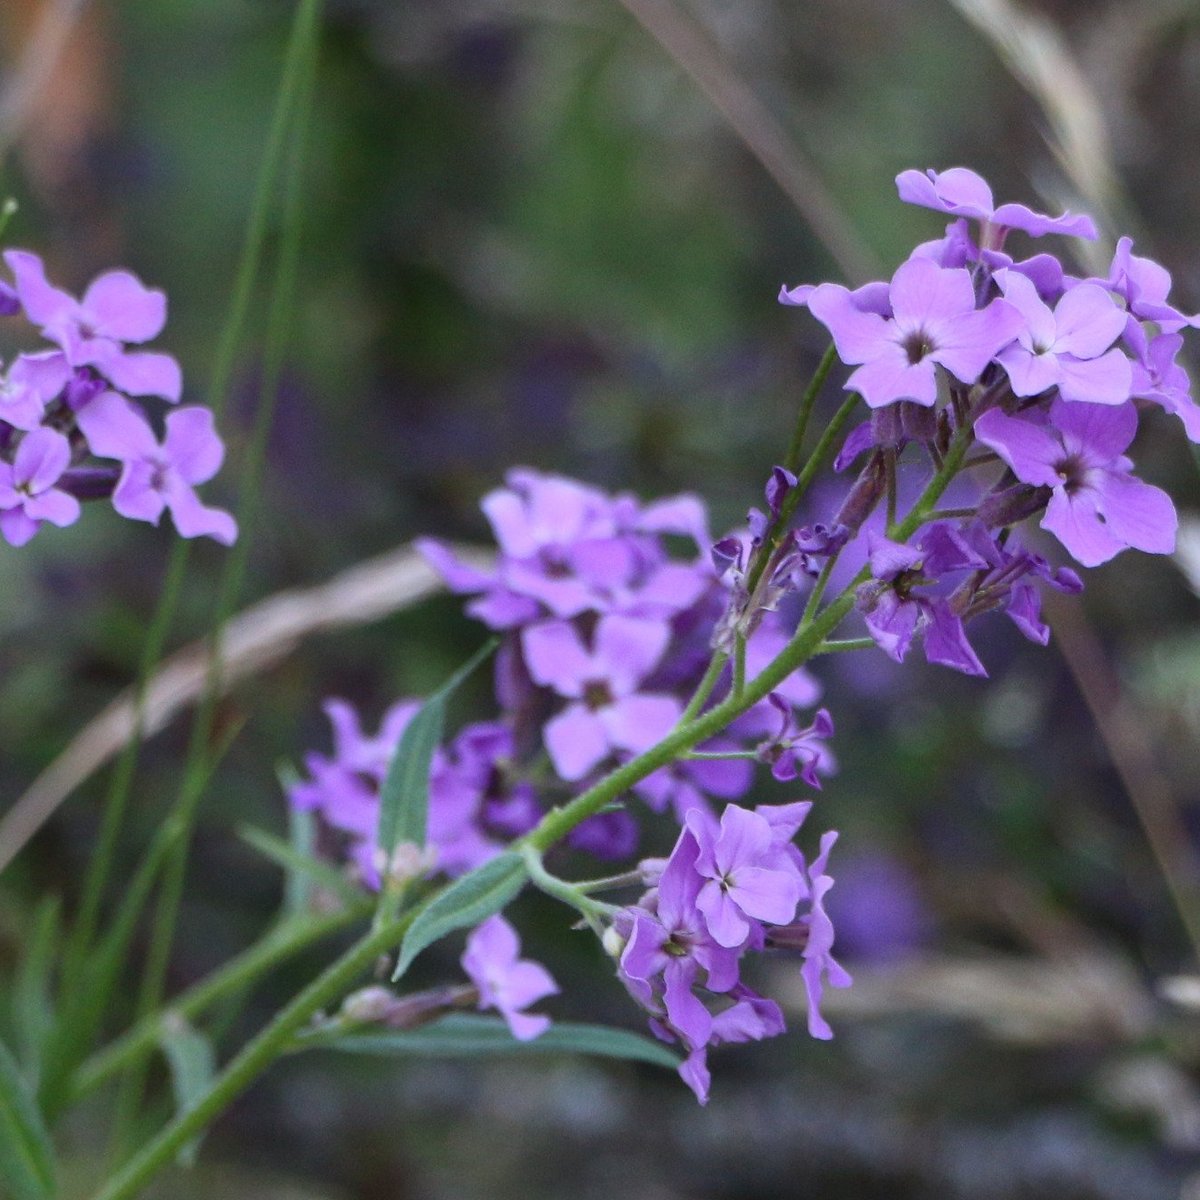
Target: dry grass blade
{"points": [[691, 47], [1038, 57], [252, 641]]}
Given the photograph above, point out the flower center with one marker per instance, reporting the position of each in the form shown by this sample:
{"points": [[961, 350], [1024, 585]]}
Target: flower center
{"points": [[1072, 472], [597, 694], [917, 345]]}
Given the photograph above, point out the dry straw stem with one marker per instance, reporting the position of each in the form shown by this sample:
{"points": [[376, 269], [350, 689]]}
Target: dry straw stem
{"points": [[253, 641], [1036, 54], [694, 50]]}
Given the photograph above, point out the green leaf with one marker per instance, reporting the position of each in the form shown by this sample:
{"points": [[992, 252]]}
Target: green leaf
{"points": [[26, 1154], [279, 851], [302, 835], [465, 902], [467, 1036], [33, 1006], [404, 798], [193, 1065]]}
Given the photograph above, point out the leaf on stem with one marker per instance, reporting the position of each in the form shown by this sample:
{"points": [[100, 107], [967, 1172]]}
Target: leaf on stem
{"points": [[32, 1003], [468, 1036], [464, 903], [296, 863], [404, 798], [26, 1153], [193, 1066]]}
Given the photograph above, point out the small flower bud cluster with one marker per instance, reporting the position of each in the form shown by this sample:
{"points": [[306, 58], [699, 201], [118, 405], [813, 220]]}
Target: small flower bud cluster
{"points": [[63, 409]]}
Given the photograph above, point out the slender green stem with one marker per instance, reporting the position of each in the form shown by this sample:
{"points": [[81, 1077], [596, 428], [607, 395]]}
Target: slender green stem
{"points": [[948, 514], [281, 943], [816, 460], [739, 664], [254, 1058], [842, 644], [611, 883], [560, 889], [705, 686], [298, 87], [796, 447], [716, 755]]}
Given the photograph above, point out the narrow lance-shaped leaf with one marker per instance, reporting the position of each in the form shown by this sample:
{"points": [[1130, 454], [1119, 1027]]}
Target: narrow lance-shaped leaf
{"points": [[193, 1065], [302, 835], [33, 1006], [26, 1154], [466, 1036], [295, 863], [404, 798], [464, 903]]}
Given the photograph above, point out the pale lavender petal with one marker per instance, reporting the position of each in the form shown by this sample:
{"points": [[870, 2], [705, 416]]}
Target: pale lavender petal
{"points": [[43, 304], [860, 439], [637, 722], [1030, 450], [525, 1026], [510, 524], [136, 495], [576, 741], [115, 428], [1075, 521], [892, 624], [54, 506], [688, 1016], [695, 1073], [193, 519], [891, 377], [1087, 321], [1029, 374], [767, 895], [744, 838], [967, 345], [1104, 380], [191, 444], [527, 982], [556, 657], [797, 296], [137, 373], [1020, 292], [17, 526], [1138, 513], [958, 191], [1099, 431], [859, 336], [119, 305], [458, 575], [889, 558], [928, 296], [41, 458], [1017, 216], [627, 649], [722, 917], [47, 373]]}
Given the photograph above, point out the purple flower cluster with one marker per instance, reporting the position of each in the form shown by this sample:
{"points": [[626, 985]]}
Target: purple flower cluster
{"points": [[607, 635], [1049, 371], [63, 408], [475, 808], [727, 888]]}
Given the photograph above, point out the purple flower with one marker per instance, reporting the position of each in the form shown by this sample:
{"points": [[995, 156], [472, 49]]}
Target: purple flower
{"points": [[895, 610], [507, 983], [686, 784], [31, 381], [116, 308], [608, 713], [1068, 348], [1097, 507], [934, 321], [744, 882], [820, 966], [790, 744], [157, 477], [27, 492], [962, 193], [1144, 286], [1158, 377]]}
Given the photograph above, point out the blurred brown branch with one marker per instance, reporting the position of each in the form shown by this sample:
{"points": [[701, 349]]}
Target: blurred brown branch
{"points": [[253, 640]]}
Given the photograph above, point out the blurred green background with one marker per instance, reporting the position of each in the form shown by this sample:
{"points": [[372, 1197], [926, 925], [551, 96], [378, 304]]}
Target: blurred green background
{"points": [[532, 238]]}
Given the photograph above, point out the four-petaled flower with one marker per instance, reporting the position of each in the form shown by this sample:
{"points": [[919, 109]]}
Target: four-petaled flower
{"points": [[507, 983], [155, 477], [27, 492]]}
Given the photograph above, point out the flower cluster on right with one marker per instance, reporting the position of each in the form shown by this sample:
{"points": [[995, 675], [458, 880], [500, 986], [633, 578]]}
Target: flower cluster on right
{"points": [[1049, 369]]}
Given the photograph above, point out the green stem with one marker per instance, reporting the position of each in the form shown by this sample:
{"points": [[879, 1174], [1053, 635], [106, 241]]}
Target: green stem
{"points": [[716, 755], [282, 943], [792, 460], [560, 889], [739, 663], [255, 1057], [816, 460], [842, 644], [705, 686]]}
